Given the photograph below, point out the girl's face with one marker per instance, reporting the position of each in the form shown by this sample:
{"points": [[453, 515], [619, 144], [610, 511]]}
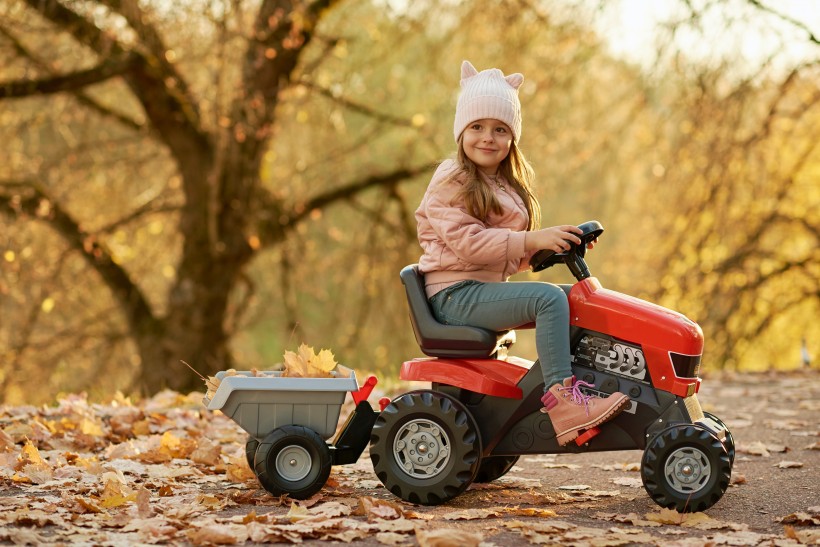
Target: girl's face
{"points": [[487, 142]]}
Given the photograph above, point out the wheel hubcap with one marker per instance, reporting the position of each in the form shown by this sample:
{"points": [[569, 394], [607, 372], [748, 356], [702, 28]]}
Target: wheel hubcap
{"points": [[421, 448], [687, 470], [293, 463]]}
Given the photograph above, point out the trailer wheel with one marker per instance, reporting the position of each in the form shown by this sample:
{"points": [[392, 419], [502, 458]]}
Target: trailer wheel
{"points": [[425, 447], [292, 460], [686, 467], [494, 467], [250, 451]]}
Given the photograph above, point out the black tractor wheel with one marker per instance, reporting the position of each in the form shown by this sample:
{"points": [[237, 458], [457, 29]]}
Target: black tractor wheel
{"points": [[292, 460], [425, 447], [494, 467], [250, 451], [728, 440], [685, 467]]}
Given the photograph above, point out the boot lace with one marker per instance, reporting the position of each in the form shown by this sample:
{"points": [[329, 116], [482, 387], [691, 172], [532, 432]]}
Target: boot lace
{"points": [[577, 397]]}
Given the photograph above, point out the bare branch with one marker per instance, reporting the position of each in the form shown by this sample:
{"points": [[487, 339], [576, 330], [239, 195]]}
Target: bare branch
{"points": [[153, 42], [27, 198], [82, 97], [67, 82], [172, 112], [351, 190], [799, 24], [356, 107]]}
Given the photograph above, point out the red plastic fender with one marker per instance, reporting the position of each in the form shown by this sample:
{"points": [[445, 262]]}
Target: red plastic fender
{"points": [[487, 376]]}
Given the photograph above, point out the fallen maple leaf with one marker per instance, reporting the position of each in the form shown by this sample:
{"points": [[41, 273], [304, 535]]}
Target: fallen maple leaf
{"points": [[631, 482], [529, 512], [788, 465], [629, 518], [392, 538], [297, 513], [374, 508], [218, 534], [801, 519], [447, 537], [670, 516], [471, 514]]}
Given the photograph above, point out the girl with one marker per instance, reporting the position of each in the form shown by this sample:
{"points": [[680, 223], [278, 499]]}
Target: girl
{"points": [[478, 224]]}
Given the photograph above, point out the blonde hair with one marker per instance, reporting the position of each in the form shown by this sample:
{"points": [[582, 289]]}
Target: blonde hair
{"points": [[479, 197]]}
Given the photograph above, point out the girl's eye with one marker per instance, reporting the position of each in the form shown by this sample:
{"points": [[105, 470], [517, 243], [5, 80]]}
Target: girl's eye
{"points": [[475, 127], [501, 129]]}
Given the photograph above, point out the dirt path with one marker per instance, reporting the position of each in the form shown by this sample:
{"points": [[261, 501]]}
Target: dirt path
{"points": [[166, 472]]}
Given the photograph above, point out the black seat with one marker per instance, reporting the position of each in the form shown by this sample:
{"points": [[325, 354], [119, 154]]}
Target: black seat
{"points": [[438, 340]]}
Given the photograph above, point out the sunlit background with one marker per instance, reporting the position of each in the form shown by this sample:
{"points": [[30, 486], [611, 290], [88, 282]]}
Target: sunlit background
{"points": [[164, 196]]}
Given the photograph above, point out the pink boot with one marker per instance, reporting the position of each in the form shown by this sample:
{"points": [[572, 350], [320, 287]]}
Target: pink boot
{"points": [[571, 411]]}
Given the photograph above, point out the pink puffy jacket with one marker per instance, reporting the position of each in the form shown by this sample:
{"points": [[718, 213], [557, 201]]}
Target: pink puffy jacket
{"points": [[459, 247]]}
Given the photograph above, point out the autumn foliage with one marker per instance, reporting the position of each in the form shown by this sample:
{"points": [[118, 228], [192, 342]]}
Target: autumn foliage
{"points": [[166, 471], [208, 182]]}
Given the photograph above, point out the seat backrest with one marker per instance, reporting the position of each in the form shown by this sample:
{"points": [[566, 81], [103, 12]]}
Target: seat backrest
{"points": [[436, 339]]}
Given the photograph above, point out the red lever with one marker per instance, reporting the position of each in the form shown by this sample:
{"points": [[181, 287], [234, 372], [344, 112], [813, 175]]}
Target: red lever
{"points": [[587, 435], [364, 390]]}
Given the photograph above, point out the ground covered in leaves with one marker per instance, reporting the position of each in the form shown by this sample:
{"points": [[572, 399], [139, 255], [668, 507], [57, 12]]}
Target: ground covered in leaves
{"points": [[166, 471]]}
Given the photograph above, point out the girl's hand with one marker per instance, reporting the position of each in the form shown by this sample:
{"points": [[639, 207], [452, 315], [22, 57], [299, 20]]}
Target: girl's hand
{"points": [[556, 239]]}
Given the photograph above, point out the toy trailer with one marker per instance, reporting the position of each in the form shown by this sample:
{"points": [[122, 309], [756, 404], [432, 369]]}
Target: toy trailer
{"points": [[290, 419]]}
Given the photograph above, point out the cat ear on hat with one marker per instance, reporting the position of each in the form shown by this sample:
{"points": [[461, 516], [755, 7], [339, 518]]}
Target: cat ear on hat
{"points": [[467, 70], [515, 80]]}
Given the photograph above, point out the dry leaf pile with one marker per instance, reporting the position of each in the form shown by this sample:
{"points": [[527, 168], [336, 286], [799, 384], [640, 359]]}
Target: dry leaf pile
{"points": [[304, 363], [165, 471]]}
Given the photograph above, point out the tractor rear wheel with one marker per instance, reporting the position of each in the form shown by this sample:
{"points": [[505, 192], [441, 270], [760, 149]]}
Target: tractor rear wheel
{"points": [[494, 467], [425, 447]]}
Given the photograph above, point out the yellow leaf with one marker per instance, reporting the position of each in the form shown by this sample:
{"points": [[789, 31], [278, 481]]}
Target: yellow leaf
{"points": [[29, 455], [306, 353], [89, 427], [117, 501], [295, 367], [297, 512], [20, 478], [324, 361]]}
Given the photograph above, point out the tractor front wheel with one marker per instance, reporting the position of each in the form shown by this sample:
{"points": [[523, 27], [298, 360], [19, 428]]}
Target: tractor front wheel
{"points": [[686, 467]]}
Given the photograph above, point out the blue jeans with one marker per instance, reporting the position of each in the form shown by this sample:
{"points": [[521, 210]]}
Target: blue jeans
{"points": [[504, 306]]}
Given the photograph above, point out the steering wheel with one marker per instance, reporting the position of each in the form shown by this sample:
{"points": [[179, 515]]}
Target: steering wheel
{"points": [[545, 258]]}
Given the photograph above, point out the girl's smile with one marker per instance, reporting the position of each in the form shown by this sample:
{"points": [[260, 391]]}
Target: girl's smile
{"points": [[487, 142]]}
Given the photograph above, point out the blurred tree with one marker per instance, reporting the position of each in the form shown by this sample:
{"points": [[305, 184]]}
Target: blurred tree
{"points": [[245, 124], [172, 169], [735, 172], [214, 137]]}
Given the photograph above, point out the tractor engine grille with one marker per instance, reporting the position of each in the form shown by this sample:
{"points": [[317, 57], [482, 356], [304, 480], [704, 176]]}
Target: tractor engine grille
{"points": [[607, 354]]}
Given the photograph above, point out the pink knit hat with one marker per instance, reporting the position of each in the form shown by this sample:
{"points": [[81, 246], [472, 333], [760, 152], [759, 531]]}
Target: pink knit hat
{"points": [[488, 94]]}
